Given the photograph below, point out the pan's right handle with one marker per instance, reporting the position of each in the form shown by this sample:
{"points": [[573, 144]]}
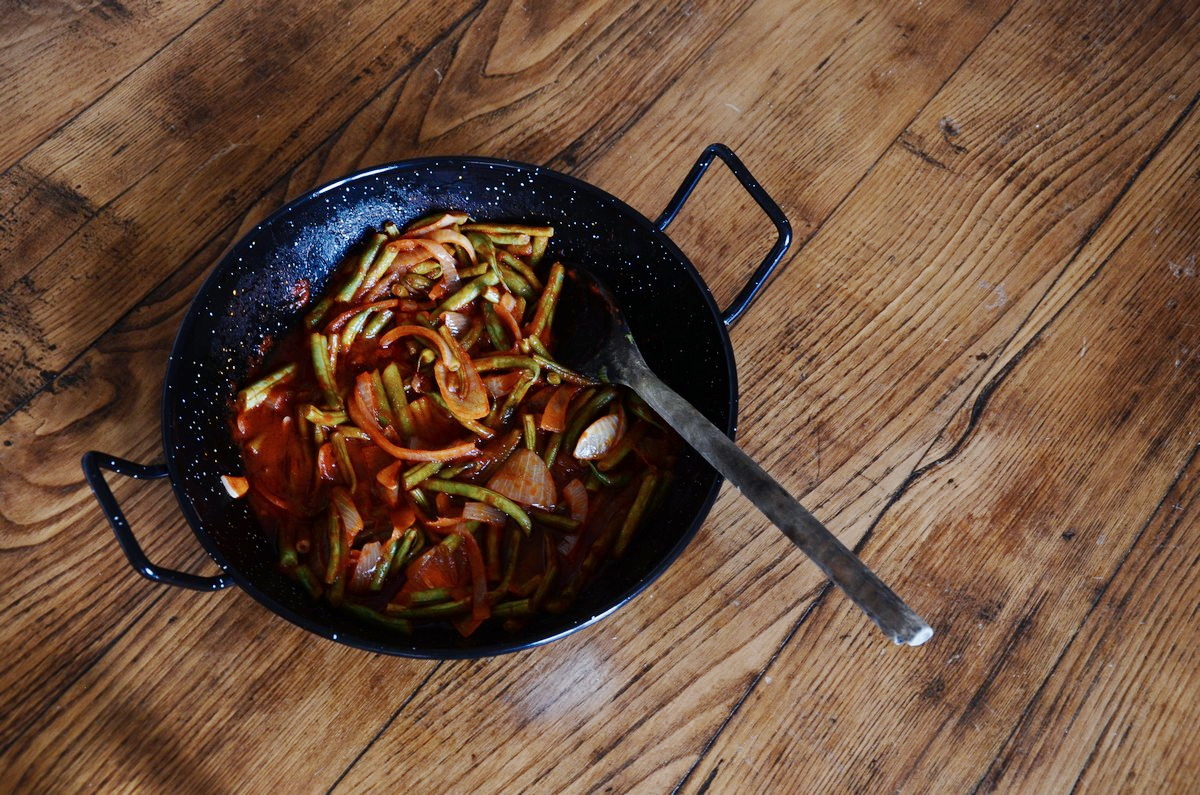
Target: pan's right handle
{"points": [[93, 463], [758, 279]]}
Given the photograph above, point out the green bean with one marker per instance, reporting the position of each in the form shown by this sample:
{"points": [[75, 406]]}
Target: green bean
{"points": [[320, 357], [544, 315], [400, 555], [552, 446], [512, 609], [496, 332], [539, 249], [353, 327], [503, 361], [306, 578], [419, 473], [485, 249], [345, 465], [570, 376], [391, 230], [382, 263], [429, 596], [530, 431], [509, 238], [385, 415], [364, 263], [473, 271], [321, 417], [634, 517], [415, 281], [608, 479], [554, 520], [660, 491], [494, 538], [471, 335], [255, 394], [372, 329], [317, 313], [547, 580], [516, 283], [393, 385], [521, 268], [622, 448], [450, 473], [353, 432], [384, 566], [484, 495], [430, 269], [333, 567], [509, 229], [510, 568], [421, 500], [367, 614], [467, 293], [643, 411], [442, 610]]}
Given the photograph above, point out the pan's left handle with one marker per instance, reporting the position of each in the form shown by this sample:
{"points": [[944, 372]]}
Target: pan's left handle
{"points": [[783, 228], [93, 463]]}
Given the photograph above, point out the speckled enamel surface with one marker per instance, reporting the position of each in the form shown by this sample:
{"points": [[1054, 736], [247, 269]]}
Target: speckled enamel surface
{"points": [[249, 297]]}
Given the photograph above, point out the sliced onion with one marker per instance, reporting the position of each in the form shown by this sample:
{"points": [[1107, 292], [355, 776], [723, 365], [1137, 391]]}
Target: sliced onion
{"points": [[554, 418], [457, 322], [564, 544], [482, 512], [437, 222], [510, 322], [525, 479], [364, 569], [236, 486], [457, 238], [347, 511], [501, 385], [576, 497], [598, 438], [389, 476]]}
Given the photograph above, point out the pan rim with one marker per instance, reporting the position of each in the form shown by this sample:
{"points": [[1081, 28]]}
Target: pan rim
{"points": [[401, 649]]}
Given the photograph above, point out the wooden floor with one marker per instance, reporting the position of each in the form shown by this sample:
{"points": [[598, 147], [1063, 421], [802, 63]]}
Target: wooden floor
{"points": [[980, 365]]}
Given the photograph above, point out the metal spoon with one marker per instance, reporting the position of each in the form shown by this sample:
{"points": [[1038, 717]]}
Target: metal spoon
{"points": [[613, 355]]}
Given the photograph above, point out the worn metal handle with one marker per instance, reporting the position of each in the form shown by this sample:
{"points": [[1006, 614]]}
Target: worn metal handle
{"points": [[745, 297], [841, 565], [93, 463]]}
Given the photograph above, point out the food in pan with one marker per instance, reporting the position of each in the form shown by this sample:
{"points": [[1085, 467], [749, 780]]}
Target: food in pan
{"points": [[418, 452]]}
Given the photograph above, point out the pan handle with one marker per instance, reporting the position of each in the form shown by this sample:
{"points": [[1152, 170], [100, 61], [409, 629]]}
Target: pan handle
{"points": [[93, 463], [750, 291]]}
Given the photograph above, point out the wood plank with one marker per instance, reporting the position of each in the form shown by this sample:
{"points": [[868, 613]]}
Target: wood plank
{"points": [[57, 58], [1037, 505], [154, 325], [1120, 707]]}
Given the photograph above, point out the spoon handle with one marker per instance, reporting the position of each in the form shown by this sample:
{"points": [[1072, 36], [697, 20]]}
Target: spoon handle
{"points": [[841, 565]]}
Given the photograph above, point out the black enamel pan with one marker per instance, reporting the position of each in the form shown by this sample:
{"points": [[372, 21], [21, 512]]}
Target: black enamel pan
{"points": [[249, 298]]}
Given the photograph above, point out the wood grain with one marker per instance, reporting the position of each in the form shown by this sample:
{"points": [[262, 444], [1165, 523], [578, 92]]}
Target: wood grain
{"points": [[982, 353], [1045, 476]]}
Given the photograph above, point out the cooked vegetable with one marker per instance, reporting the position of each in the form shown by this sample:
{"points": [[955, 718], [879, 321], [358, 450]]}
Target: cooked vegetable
{"points": [[419, 453]]}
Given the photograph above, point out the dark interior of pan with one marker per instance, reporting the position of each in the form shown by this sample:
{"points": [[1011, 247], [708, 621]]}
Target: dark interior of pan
{"points": [[250, 298]]}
